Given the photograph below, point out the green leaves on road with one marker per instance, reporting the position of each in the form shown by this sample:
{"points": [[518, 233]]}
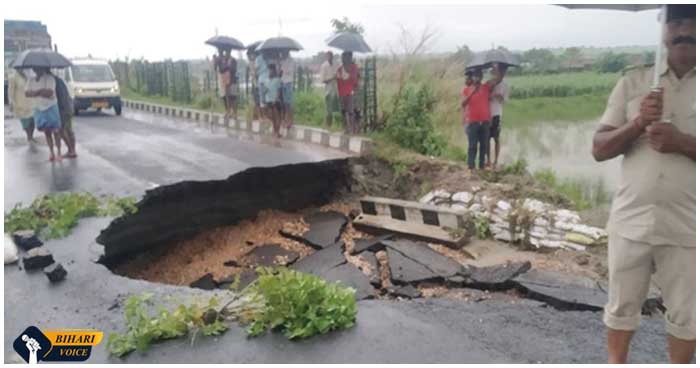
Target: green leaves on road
{"points": [[301, 305], [297, 304], [55, 215]]}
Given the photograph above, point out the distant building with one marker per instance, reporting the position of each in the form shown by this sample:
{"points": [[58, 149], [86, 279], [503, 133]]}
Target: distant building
{"points": [[21, 35]]}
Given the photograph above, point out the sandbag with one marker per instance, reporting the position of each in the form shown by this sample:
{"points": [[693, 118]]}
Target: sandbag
{"points": [[10, 250]]}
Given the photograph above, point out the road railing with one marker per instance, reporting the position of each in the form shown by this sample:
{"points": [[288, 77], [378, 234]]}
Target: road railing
{"points": [[312, 135]]}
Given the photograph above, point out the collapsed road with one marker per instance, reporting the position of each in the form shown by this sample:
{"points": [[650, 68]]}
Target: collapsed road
{"points": [[417, 331]]}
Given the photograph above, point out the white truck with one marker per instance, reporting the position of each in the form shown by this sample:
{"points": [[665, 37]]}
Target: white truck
{"points": [[92, 84]]}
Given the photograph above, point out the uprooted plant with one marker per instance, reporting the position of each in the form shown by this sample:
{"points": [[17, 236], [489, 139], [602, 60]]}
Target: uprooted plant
{"points": [[297, 304], [55, 215]]}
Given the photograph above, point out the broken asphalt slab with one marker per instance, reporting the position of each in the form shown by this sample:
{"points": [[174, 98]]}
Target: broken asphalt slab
{"points": [[387, 331], [372, 245], [55, 272], [325, 228], [205, 282], [419, 252], [561, 291], [26, 239], [349, 275], [374, 278], [330, 264], [405, 270], [269, 255], [406, 291], [322, 260], [498, 277], [37, 258]]}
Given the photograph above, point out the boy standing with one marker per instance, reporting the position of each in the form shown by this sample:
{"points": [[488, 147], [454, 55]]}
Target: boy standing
{"points": [[498, 96], [273, 90]]}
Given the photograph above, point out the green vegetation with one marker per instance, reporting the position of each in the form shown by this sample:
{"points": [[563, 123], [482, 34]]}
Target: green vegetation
{"points": [[55, 215], [143, 329], [301, 305], [297, 304], [575, 190], [561, 84], [481, 225], [410, 124]]}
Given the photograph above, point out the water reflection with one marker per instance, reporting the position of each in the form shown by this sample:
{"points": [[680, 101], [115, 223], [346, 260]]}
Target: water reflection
{"points": [[565, 148]]}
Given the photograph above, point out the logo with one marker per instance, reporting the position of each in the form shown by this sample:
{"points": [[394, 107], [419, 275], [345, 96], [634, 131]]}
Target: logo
{"points": [[33, 345]]}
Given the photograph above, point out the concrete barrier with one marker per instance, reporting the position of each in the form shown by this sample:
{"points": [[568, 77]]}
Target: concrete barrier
{"points": [[354, 144]]}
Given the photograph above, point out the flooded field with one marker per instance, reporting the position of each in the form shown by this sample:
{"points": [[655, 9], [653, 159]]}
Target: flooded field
{"points": [[565, 148]]}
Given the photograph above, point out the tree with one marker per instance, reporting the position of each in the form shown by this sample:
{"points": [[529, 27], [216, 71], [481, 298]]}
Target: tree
{"points": [[463, 54], [345, 25], [540, 60], [611, 62]]}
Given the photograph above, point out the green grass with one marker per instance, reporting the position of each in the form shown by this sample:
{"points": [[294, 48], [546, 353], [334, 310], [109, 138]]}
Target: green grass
{"points": [[561, 84], [574, 190]]}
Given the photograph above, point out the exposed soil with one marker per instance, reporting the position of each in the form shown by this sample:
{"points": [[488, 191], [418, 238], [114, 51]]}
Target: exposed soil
{"points": [[188, 260]]}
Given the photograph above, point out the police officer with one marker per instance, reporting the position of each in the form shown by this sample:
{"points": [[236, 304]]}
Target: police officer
{"points": [[652, 220]]}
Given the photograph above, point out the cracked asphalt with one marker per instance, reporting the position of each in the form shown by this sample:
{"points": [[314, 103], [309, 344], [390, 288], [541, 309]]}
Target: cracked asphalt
{"points": [[129, 154]]}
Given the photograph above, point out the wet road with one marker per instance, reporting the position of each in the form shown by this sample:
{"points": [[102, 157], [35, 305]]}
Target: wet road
{"points": [[123, 156], [126, 155]]}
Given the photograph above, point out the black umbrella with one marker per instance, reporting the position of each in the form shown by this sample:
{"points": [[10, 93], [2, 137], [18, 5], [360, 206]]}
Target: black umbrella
{"points": [[40, 58], [253, 46], [225, 42], [486, 58], [348, 41], [279, 43]]}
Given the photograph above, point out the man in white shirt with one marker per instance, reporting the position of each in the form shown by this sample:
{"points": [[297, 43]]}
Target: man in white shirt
{"points": [[328, 71], [499, 95], [287, 67], [42, 91]]}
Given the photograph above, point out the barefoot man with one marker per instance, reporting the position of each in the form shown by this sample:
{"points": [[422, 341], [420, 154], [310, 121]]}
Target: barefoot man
{"points": [[42, 90], [652, 220]]}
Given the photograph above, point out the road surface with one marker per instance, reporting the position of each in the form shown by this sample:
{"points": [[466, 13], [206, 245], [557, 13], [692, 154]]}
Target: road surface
{"points": [[119, 155]]}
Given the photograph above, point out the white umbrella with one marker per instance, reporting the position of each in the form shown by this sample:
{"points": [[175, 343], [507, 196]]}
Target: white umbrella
{"points": [[634, 7]]}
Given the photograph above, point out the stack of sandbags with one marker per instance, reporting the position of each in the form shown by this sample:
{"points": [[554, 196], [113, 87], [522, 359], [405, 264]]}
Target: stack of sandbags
{"points": [[539, 224]]}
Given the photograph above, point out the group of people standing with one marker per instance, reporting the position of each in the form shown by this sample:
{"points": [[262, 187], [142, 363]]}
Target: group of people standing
{"points": [[41, 101], [272, 75], [482, 111], [342, 83]]}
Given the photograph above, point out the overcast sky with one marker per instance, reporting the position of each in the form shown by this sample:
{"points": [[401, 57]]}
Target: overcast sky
{"points": [[159, 29]]}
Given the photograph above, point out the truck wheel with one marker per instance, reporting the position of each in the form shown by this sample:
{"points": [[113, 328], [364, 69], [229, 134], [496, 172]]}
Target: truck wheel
{"points": [[118, 109]]}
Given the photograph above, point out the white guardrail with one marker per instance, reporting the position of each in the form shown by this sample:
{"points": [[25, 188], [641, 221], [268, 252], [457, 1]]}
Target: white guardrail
{"points": [[349, 143]]}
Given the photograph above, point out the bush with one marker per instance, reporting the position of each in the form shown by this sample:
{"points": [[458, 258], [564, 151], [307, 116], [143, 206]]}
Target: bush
{"points": [[574, 190], [204, 102], [410, 124], [309, 107], [301, 305]]}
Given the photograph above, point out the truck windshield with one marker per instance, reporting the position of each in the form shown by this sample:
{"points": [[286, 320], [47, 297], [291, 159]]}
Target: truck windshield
{"points": [[92, 73]]}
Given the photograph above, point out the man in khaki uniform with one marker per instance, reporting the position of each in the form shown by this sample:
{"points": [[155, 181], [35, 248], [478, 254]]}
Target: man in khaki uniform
{"points": [[652, 221]]}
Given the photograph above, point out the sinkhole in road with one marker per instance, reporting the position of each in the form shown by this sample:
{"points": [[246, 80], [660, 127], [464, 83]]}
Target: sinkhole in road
{"points": [[204, 234]]}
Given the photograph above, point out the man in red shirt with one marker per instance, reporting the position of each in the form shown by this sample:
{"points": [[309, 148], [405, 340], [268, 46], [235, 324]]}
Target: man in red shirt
{"points": [[476, 104], [348, 77]]}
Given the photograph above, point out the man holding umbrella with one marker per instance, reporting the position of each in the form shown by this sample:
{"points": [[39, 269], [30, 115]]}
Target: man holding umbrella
{"points": [[41, 89], [652, 220], [348, 75]]}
